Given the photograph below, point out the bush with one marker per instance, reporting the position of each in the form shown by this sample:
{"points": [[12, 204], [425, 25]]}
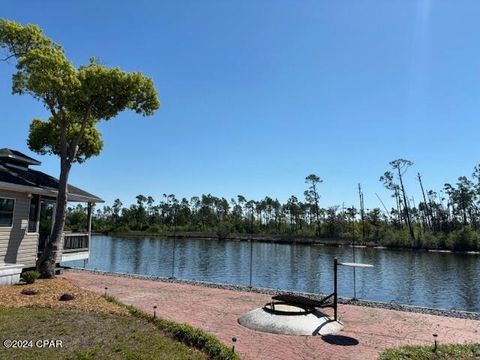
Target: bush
{"points": [[428, 240], [223, 233], [464, 239], [30, 276], [397, 238], [122, 229]]}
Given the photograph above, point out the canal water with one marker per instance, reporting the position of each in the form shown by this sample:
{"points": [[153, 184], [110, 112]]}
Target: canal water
{"points": [[441, 280]]}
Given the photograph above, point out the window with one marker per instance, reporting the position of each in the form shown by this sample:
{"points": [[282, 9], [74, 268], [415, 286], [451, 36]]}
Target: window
{"points": [[6, 212], [33, 216]]}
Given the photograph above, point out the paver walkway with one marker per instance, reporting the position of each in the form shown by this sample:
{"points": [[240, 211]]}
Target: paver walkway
{"points": [[216, 311]]}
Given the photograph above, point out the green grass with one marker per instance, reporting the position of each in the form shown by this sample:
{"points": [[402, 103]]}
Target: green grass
{"points": [[184, 333], [444, 352], [88, 336]]}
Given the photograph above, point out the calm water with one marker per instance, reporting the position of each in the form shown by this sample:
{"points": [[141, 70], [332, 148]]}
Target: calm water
{"points": [[428, 279]]}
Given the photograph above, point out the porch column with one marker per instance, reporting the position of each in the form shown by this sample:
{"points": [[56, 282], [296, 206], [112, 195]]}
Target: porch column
{"points": [[89, 220], [89, 229]]}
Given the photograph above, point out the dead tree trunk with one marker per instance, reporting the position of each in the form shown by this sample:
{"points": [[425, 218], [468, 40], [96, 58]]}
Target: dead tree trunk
{"points": [[407, 213]]}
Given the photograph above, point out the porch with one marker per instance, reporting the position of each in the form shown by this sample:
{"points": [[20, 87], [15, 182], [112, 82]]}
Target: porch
{"points": [[75, 246], [27, 201]]}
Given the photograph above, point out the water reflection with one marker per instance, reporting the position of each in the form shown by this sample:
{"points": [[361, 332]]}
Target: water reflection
{"points": [[428, 279]]}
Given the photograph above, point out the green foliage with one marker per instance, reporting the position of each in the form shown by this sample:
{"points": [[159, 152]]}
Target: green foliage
{"points": [[30, 276], [443, 352], [397, 238], [44, 138], [184, 333], [209, 214], [429, 240], [76, 98], [223, 232], [433, 225], [77, 219], [123, 229], [154, 229], [464, 239]]}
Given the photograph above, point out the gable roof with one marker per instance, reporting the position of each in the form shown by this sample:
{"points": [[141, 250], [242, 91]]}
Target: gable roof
{"points": [[27, 180], [9, 154]]}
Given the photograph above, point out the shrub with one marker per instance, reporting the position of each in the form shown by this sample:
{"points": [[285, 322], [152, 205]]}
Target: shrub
{"points": [[223, 233], [154, 229], [397, 238], [428, 240], [30, 276], [122, 229], [464, 239]]}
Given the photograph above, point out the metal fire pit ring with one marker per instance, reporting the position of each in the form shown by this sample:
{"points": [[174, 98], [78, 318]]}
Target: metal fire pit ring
{"points": [[286, 308]]}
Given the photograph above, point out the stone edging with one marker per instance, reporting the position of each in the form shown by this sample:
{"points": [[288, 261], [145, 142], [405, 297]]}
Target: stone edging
{"points": [[367, 303]]}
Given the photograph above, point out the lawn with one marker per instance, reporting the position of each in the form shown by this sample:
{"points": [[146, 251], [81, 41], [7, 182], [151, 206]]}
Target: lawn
{"points": [[87, 336], [92, 327], [443, 352]]}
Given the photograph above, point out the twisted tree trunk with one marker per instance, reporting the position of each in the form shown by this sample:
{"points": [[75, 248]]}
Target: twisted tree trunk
{"points": [[47, 261]]}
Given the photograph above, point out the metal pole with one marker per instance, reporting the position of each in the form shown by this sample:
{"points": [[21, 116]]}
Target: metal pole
{"points": [[335, 299], [354, 283], [251, 261], [354, 273], [173, 258], [174, 240], [362, 216]]}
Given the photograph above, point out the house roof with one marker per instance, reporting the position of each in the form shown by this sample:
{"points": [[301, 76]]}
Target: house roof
{"points": [[16, 178], [17, 156]]}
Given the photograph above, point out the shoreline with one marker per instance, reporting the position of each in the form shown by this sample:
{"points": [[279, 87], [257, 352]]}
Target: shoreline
{"points": [[454, 313], [280, 239]]}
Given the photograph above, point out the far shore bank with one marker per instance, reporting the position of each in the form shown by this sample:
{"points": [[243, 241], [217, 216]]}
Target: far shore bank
{"points": [[281, 239]]}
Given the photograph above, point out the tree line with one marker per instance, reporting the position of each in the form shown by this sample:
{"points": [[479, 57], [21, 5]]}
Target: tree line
{"points": [[444, 219]]}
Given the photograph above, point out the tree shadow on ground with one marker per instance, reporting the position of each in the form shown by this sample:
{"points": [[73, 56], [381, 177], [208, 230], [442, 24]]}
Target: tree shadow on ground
{"points": [[340, 340]]}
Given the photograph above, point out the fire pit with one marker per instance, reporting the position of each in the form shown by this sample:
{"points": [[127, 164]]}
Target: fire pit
{"points": [[293, 315], [298, 315], [287, 304]]}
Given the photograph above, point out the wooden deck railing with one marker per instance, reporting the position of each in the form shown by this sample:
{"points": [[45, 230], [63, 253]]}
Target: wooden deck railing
{"points": [[75, 242]]}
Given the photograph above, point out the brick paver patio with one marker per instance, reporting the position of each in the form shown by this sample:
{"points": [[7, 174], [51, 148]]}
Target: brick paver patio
{"points": [[216, 311]]}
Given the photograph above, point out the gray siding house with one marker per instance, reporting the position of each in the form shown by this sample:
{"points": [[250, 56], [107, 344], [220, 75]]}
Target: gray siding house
{"points": [[27, 208]]}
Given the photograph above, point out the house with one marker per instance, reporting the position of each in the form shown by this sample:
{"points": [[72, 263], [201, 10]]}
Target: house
{"points": [[27, 208]]}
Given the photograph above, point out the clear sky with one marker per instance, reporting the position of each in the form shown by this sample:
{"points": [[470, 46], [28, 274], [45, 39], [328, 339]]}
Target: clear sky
{"points": [[258, 94]]}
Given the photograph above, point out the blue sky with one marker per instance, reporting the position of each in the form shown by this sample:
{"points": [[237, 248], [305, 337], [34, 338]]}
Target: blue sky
{"points": [[258, 94]]}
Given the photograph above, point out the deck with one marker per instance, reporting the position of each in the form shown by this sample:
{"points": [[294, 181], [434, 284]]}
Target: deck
{"points": [[75, 246]]}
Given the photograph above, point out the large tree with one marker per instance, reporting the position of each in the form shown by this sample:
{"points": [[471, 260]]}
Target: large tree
{"points": [[313, 198], [401, 166], [76, 98]]}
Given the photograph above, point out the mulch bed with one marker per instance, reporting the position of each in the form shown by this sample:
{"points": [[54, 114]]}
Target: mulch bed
{"points": [[48, 296]]}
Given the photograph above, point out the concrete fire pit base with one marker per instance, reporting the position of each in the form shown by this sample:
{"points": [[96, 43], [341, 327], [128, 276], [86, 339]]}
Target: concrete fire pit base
{"points": [[314, 323]]}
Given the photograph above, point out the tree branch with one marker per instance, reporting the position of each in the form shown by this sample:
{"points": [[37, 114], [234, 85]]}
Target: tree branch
{"points": [[63, 138], [74, 146], [51, 106], [8, 57]]}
